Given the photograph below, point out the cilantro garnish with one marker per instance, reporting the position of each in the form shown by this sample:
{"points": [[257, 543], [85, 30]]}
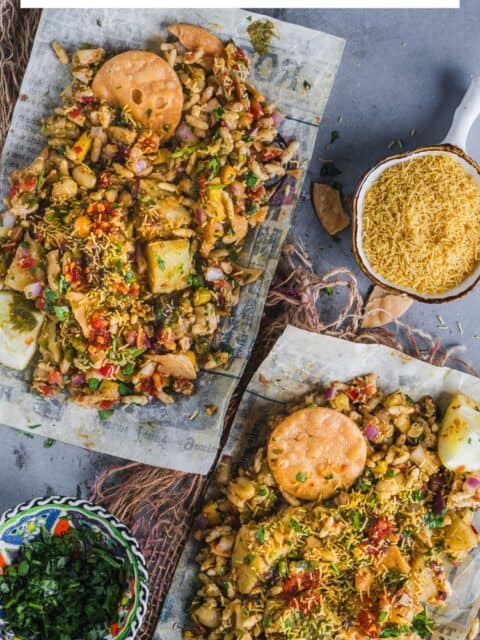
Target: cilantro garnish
{"points": [[63, 586], [251, 180], [61, 313], [260, 535], [105, 414], [300, 477], [93, 384]]}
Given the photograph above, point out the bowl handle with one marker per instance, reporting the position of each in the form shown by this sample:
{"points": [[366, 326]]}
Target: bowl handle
{"points": [[465, 115]]}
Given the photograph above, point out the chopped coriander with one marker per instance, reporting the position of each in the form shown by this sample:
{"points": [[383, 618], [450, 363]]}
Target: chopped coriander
{"points": [[61, 313], [300, 477], [249, 558], [128, 369], [251, 180], [435, 521], [218, 113], [295, 525], [105, 414], [49, 442], [329, 291], [124, 389], [63, 586], [260, 535], [262, 492], [417, 496], [390, 473], [93, 384], [149, 113], [160, 263], [356, 521], [422, 625], [383, 615]]}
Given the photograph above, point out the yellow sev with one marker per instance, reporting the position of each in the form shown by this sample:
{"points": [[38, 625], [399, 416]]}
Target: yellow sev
{"points": [[421, 224]]}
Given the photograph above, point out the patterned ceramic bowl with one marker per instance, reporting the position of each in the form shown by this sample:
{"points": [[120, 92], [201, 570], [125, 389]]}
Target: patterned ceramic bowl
{"points": [[23, 523]]}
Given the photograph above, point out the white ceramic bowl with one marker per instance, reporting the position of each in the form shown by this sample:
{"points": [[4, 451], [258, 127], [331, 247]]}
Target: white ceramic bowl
{"points": [[453, 146]]}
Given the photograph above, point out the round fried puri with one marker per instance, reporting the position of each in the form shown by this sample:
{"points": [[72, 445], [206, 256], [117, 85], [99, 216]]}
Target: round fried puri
{"points": [[315, 451], [194, 38], [147, 85]]}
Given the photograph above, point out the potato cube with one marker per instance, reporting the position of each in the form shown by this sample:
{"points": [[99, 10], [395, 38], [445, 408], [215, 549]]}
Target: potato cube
{"points": [[169, 264]]}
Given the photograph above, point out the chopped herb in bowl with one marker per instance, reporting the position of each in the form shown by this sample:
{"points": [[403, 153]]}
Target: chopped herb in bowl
{"points": [[65, 586]]}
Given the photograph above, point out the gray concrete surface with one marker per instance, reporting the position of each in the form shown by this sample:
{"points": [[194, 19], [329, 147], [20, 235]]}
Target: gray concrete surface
{"points": [[401, 70]]}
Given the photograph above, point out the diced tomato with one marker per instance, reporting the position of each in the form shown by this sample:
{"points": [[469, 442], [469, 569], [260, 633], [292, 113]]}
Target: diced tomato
{"points": [[367, 623], [62, 527], [115, 629], [88, 99], [147, 386], [75, 112], [104, 180], [99, 322], [256, 109], [240, 54], [40, 303], [106, 404], [13, 190], [26, 262], [202, 181], [271, 153], [380, 530], [301, 582], [106, 370], [55, 377], [46, 390], [353, 394], [134, 290]]}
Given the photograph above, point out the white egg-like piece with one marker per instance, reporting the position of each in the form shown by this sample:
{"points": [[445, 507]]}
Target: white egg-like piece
{"points": [[17, 347], [459, 438]]}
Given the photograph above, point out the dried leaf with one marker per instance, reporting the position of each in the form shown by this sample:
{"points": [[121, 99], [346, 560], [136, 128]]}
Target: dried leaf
{"points": [[328, 207], [383, 307]]}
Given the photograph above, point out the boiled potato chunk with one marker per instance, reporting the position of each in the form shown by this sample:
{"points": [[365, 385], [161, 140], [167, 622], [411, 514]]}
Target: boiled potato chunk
{"points": [[169, 264], [459, 439], [20, 324]]}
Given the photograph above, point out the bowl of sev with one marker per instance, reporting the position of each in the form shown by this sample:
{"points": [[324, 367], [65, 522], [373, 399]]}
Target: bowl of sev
{"points": [[416, 216]]}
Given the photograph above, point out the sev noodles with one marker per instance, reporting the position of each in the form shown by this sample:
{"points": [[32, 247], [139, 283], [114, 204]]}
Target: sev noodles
{"points": [[421, 224]]}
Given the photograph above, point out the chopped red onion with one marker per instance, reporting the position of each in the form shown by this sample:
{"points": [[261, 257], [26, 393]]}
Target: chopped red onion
{"points": [[330, 393], [253, 132], [185, 134], [370, 431], [473, 482], [33, 290], [78, 379], [213, 274], [140, 165], [277, 118], [200, 216], [8, 220], [201, 521]]}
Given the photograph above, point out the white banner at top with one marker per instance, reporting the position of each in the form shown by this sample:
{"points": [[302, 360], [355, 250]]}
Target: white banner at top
{"points": [[246, 4]]}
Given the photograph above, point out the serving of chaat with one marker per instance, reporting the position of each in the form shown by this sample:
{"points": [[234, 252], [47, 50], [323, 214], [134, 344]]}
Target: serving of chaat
{"points": [[120, 242], [342, 524]]}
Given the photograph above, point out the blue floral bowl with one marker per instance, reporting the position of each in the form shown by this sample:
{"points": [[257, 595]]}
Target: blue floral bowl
{"points": [[57, 515]]}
